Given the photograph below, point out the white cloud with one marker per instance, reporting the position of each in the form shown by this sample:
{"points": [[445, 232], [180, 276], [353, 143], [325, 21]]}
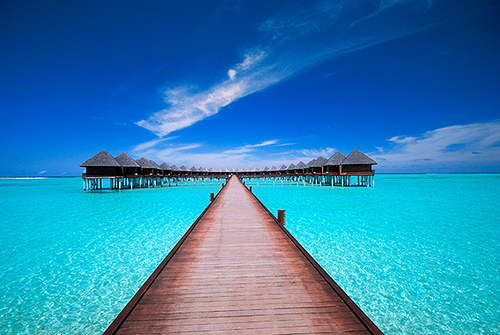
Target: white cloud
{"points": [[249, 155], [250, 147], [149, 144], [251, 59], [42, 172], [314, 153], [458, 147], [188, 105], [291, 42]]}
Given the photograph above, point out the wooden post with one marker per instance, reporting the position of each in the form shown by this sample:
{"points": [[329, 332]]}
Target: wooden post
{"points": [[250, 188], [212, 197], [281, 217]]}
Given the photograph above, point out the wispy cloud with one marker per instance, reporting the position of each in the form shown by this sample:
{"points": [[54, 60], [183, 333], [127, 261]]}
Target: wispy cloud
{"points": [[250, 155], [150, 144], [42, 172], [250, 147], [453, 148], [291, 42], [188, 105]]}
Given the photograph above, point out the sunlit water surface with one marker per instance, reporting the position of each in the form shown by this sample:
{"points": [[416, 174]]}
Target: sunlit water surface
{"points": [[70, 260], [420, 254]]}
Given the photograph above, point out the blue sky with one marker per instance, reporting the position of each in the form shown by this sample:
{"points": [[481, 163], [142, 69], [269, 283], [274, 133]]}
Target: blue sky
{"points": [[412, 83]]}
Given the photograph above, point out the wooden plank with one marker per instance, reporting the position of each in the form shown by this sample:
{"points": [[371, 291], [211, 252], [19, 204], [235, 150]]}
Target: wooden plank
{"points": [[237, 271]]}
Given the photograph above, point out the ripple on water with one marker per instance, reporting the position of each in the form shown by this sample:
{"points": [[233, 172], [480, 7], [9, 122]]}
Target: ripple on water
{"points": [[418, 253], [72, 260]]}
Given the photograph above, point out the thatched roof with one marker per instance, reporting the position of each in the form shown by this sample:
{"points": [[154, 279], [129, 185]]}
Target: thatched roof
{"points": [[184, 168], [145, 163], [165, 167], [319, 162], [124, 160], [282, 167], [256, 169], [273, 168], [156, 166], [300, 166], [175, 167], [101, 159], [336, 159], [308, 165], [194, 169], [291, 167], [358, 158], [265, 169]]}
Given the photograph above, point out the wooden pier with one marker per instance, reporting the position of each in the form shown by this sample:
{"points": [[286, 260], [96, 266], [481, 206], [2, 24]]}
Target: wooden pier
{"points": [[237, 270]]}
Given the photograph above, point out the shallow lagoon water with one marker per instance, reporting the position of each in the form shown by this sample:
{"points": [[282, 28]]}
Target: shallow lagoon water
{"points": [[72, 260], [418, 253]]}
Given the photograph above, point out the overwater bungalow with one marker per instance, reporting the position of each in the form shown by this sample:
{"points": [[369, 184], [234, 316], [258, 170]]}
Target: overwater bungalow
{"points": [[157, 169], [273, 170], [185, 171], [359, 165], [166, 169], [175, 170], [123, 171], [148, 172], [282, 169], [332, 166], [98, 167], [300, 168], [317, 165], [130, 168], [147, 168], [102, 165]]}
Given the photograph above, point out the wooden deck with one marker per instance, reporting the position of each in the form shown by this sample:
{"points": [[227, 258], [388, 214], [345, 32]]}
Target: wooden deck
{"points": [[238, 271]]}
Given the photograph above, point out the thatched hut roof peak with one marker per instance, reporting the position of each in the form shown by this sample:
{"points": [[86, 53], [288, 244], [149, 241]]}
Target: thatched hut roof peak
{"points": [[165, 167], [319, 162], [145, 163], [126, 161], [358, 158], [308, 165], [336, 159], [156, 166], [300, 166], [101, 159]]}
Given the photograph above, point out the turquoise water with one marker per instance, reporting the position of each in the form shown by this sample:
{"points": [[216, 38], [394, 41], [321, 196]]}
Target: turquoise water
{"points": [[418, 253], [72, 260]]}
